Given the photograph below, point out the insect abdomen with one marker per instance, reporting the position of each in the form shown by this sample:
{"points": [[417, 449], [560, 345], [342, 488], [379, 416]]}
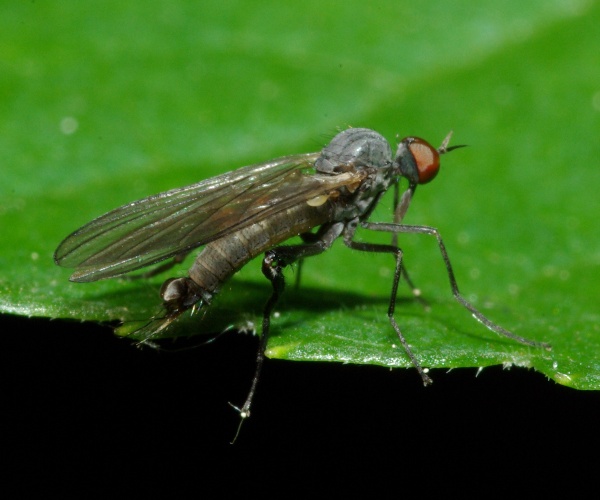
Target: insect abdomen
{"points": [[222, 258]]}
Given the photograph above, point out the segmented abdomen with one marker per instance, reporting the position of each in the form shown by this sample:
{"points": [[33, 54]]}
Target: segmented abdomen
{"points": [[222, 258]]}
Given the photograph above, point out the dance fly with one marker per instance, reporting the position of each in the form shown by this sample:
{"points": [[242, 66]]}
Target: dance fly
{"points": [[251, 211]]}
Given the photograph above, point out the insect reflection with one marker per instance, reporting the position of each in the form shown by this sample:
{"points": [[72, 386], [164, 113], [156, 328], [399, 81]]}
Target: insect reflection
{"points": [[253, 210]]}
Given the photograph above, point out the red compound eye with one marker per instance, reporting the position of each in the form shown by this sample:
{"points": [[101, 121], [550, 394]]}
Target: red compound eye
{"points": [[426, 158]]}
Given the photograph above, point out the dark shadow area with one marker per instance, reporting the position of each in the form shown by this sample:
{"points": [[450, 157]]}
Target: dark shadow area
{"points": [[85, 410], [251, 296], [241, 300]]}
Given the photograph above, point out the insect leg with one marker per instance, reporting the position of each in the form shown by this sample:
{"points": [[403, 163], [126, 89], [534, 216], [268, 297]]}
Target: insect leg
{"points": [[400, 206], [398, 272], [403, 228], [306, 238], [273, 271], [273, 264]]}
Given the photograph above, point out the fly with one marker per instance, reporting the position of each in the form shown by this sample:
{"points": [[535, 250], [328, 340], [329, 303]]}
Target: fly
{"points": [[252, 211]]}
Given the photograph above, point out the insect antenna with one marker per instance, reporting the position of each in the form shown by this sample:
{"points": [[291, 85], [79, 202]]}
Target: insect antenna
{"points": [[443, 149]]}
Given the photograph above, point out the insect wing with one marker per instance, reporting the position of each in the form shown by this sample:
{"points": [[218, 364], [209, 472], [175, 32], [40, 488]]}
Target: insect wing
{"points": [[161, 226]]}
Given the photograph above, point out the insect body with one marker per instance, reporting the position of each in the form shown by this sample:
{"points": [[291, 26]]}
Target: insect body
{"points": [[253, 210]]}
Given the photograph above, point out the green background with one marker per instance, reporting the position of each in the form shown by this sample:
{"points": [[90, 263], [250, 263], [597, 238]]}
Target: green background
{"points": [[103, 103]]}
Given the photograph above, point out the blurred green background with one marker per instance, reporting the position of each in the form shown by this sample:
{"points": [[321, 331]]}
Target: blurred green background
{"points": [[102, 103]]}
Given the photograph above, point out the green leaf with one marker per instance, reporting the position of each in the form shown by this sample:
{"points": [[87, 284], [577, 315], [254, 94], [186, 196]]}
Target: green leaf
{"points": [[107, 105]]}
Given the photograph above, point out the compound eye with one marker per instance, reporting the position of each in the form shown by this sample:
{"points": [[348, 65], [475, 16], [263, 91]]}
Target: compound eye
{"points": [[426, 158]]}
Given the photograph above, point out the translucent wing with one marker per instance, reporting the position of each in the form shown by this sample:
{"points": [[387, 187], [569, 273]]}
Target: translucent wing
{"points": [[158, 227]]}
